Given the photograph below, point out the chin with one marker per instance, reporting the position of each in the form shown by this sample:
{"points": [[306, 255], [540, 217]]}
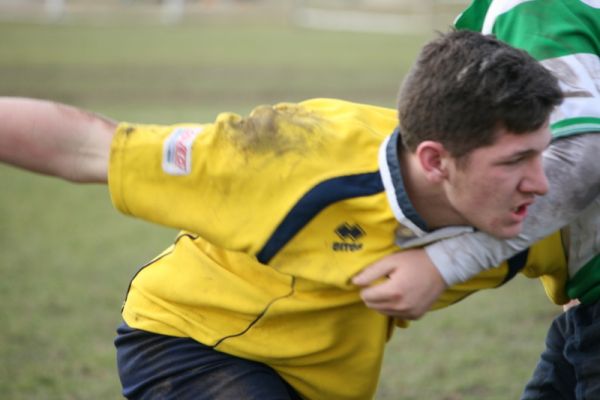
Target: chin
{"points": [[499, 230], [507, 232]]}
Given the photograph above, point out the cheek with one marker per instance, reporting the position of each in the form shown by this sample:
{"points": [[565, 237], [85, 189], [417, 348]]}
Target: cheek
{"points": [[487, 190]]}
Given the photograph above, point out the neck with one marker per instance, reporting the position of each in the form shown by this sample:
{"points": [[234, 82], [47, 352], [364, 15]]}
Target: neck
{"points": [[428, 198]]}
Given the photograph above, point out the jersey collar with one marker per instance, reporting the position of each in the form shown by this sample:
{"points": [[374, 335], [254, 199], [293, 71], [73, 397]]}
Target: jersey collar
{"points": [[413, 230]]}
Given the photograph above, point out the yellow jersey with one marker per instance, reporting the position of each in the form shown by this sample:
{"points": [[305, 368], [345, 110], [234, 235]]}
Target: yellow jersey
{"points": [[278, 211]]}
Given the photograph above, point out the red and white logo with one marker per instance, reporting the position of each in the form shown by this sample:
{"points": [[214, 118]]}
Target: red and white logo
{"points": [[177, 150]]}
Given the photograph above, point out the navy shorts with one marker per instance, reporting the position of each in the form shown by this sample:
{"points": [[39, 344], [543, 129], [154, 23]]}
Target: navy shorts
{"points": [[569, 367], [153, 366]]}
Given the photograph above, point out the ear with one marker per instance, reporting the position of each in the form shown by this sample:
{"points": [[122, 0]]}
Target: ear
{"points": [[432, 158]]}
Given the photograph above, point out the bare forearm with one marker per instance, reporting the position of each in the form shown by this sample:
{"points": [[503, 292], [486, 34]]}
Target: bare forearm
{"points": [[55, 139], [573, 169]]}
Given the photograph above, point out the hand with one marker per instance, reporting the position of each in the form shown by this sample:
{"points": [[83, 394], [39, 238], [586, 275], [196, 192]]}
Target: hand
{"points": [[570, 304], [411, 284]]}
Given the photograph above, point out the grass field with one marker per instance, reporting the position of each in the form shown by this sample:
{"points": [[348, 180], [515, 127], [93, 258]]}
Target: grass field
{"points": [[66, 256]]}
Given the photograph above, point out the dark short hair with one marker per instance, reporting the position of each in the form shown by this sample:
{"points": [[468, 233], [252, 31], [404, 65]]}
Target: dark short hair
{"points": [[465, 85]]}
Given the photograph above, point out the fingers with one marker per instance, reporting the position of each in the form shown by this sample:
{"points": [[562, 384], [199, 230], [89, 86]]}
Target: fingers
{"points": [[375, 271], [403, 285], [386, 299], [380, 294], [570, 304]]}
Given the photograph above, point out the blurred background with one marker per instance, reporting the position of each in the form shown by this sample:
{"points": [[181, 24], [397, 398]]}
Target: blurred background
{"points": [[66, 256]]}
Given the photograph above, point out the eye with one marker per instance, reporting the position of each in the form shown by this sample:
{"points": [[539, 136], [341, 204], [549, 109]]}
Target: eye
{"points": [[520, 158], [513, 161]]}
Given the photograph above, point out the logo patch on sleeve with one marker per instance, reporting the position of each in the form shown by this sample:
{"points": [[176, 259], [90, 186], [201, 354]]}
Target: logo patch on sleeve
{"points": [[177, 150]]}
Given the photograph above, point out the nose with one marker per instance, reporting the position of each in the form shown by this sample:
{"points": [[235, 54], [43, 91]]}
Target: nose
{"points": [[535, 181]]}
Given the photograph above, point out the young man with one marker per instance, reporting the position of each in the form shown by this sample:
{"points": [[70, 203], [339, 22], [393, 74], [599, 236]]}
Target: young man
{"points": [[280, 209], [563, 35]]}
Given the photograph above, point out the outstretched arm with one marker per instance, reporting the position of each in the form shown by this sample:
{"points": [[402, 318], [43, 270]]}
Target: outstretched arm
{"points": [[55, 139], [417, 278]]}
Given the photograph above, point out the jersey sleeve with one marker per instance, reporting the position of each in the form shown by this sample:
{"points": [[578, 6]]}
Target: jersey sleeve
{"points": [[546, 260], [223, 180], [295, 185]]}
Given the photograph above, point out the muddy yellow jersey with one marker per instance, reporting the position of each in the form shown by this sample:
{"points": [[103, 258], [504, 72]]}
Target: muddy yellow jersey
{"points": [[278, 210]]}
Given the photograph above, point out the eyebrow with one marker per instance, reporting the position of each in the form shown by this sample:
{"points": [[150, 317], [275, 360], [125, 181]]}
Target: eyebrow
{"points": [[520, 154]]}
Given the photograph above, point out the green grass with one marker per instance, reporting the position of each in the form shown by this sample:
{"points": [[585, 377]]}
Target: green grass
{"points": [[66, 256], [176, 72], [482, 348]]}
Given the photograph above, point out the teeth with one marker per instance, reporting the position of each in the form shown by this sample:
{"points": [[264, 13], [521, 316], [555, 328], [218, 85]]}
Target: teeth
{"points": [[520, 209]]}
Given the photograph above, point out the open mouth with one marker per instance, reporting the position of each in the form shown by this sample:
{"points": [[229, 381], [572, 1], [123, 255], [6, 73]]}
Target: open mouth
{"points": [[520, 211]]}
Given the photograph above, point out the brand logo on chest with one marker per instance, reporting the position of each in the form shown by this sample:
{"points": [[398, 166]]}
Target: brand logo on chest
{"points": [[349, 234]]}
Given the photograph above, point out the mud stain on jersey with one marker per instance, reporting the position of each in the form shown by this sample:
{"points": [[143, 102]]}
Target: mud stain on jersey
{"points": [[278, 130]]}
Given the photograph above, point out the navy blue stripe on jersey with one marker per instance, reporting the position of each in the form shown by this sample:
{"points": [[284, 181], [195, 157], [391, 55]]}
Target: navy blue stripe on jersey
{"points": [[318, 198], [515, 264], [393, 162]]}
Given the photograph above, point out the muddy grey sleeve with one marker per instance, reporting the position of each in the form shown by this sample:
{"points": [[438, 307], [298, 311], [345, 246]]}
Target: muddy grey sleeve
{"points": [[572, 165]]}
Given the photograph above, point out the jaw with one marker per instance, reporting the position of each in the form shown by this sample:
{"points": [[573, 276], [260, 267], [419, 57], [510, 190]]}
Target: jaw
{"points": [[505, 231]]}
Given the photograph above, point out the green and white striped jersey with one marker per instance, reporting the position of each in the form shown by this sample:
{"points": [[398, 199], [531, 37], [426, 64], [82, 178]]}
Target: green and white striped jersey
{"points": [[565, 36]]}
